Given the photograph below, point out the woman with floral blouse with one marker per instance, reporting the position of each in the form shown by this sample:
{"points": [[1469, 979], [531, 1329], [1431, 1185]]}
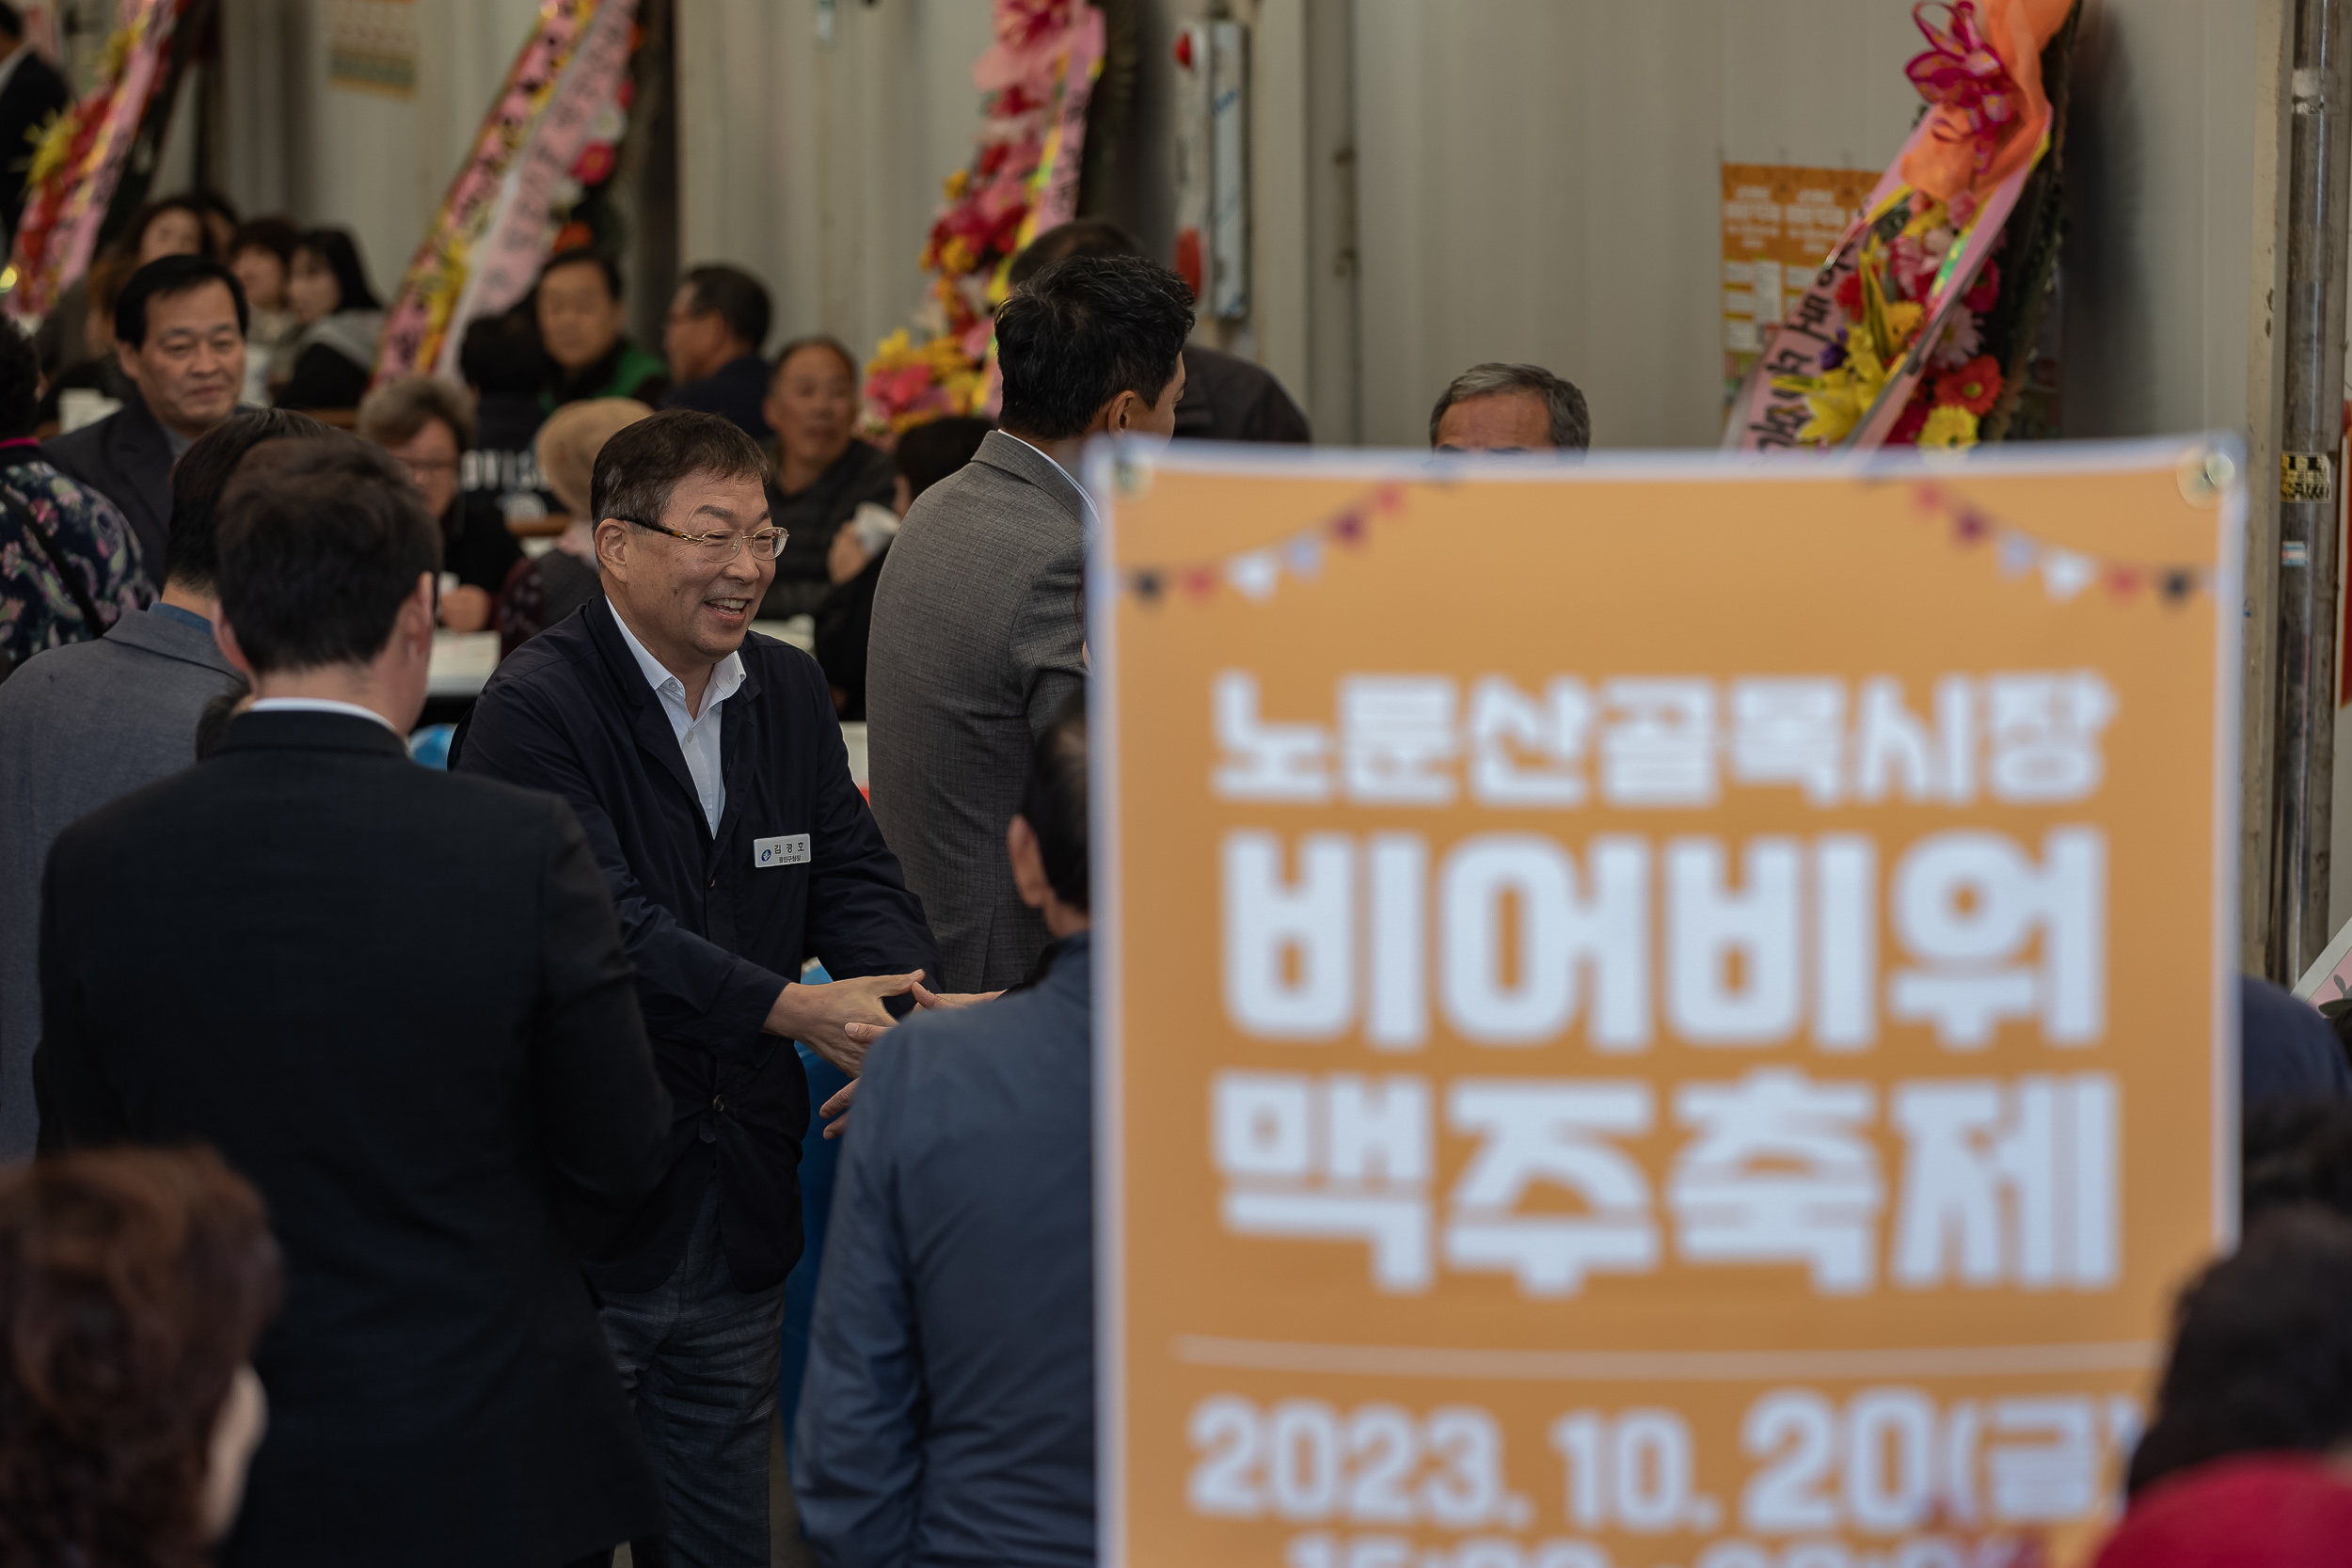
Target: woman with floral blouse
{"points": [[69, 561]]}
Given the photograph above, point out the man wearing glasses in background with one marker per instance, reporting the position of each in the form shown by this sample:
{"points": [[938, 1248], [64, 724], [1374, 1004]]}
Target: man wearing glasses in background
{"points": [[707, 769]]}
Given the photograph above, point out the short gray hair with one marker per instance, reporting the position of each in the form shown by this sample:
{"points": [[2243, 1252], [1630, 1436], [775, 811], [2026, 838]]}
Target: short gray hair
{"points": [[392, 414], [1571, 425]]}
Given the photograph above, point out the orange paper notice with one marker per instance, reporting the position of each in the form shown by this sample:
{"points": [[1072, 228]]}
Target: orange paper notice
{"points": [[1653, 1011], [1780, 223]]}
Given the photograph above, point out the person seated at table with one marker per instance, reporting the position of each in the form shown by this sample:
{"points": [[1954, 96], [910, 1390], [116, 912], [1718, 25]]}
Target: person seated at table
{"points": [[180, 329], [578, 306], [261, 255], [69, 561], [98, 370], [544, 591], [424, 422], [822, 472], [171, 226], [1497, 408], [135, 1286], [342, 320], [717, 324], [926, 455]]}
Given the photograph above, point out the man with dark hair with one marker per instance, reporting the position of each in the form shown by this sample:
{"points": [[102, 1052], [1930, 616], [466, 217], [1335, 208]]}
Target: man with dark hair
{"points": [[434, 1157], [948, 1414], [709, 772], [31, 90], [1498, 408], [579, 308], [977, 631], [180, 337], [1227, 398], [86, 725], [718, 324]]}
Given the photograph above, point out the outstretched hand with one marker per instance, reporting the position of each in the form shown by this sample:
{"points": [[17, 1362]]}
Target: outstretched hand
{"points": [[823, 1016], [863, 1034]]}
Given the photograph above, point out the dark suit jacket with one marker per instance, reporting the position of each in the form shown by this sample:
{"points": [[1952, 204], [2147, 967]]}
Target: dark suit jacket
{"points": [[947, 1412], [735, 391], [397, 1002], [975, 646], [1228, 398], [714, 937], [126, 458], [35, 91]]}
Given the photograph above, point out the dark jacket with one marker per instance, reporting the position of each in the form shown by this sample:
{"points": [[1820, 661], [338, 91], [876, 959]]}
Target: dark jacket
{"points": [[1228, 398], [812, 516], [126, 458], [845, 621], [35, 91], [735, 391], [397, 1003], [626, 371], [714, 937], [2286, 1049], [947, 1413]]}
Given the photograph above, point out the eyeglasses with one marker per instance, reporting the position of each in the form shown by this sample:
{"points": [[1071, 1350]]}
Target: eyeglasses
{"points": [[722, 548]]}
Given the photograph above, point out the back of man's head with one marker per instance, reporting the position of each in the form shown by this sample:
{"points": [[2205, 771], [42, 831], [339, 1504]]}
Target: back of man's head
{"points": [[321, 543], [1084, 330], [1078, 237], [735, 297], [168, 277], [192, 548], [1566, 418], [1053, 802]]}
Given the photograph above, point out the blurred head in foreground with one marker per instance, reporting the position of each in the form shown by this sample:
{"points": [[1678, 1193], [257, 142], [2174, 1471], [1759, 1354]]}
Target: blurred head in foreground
{"points": [[134, 1284]]}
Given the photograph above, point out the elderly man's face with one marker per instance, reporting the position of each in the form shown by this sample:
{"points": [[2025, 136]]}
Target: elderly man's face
{"points": [[1500, 422], [689, 609]]}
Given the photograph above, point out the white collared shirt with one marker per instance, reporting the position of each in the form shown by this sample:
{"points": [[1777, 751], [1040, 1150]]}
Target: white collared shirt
{"points": [[321, 705], [697, 733]]}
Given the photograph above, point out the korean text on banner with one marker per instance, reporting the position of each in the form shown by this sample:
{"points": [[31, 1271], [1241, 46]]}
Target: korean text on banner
{"points": [[1654, 1011]]}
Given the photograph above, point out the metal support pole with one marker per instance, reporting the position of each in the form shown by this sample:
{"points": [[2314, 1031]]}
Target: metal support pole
{"points": [[2311, 431]]}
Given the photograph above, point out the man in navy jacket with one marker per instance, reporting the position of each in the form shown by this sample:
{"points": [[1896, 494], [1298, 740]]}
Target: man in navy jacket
{"points": [[707, 769]]}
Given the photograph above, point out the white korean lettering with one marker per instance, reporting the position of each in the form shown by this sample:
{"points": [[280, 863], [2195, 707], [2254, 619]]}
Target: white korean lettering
{"points": [[1264, 761], [2008, 1185], [1560, 932], [1290, 946], [2044, 732], [1342, 1158], [1969, 902], [1737, 1199], [1845, 942], [1896, 753], [1550, 1131], [2049, 1480], [1789, 731], [1731, 957], [1658, 745], [1397, 739], [1508, 726], [1396, 969]]}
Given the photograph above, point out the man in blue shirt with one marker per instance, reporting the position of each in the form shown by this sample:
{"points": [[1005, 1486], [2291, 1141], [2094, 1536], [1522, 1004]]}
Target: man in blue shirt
{"points": [[708, 771], [947, 1413]]}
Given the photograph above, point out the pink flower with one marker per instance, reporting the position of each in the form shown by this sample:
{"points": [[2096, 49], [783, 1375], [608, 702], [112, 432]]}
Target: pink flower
{"points": [[1963, 208], [1960, 342]]}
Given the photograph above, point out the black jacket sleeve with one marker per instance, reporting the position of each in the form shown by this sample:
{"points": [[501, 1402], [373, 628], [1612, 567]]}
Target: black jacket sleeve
{"points": [[323, 378], [603, 1113], [78, 1107]]}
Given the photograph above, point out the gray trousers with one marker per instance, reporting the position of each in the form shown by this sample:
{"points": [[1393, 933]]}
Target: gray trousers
{"points": [[700, 1360]]}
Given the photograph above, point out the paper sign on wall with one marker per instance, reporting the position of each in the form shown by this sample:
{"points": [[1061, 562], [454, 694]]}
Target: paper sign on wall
{"points": [[1780, 222], [1653, 1011]]}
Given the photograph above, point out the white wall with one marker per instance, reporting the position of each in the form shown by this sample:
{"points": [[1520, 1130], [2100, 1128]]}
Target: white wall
{"points": [[819, 169]]}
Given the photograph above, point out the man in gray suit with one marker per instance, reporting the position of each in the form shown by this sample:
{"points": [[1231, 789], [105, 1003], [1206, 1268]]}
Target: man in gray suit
{"points": [[978, 630], [83, 725]]}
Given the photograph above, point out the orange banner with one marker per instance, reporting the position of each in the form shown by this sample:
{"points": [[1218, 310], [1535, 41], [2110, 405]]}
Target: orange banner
{"points": [[1654, 1011]]}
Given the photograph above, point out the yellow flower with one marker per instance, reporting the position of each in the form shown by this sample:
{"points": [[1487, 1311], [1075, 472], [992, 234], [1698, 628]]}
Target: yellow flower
{"points": [[955, 257], [1949, 426], [1902, 322], [958, 184], [1838, 401]]}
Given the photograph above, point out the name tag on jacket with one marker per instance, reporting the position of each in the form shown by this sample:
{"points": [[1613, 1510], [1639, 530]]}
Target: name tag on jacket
{"points": [[791, 849]]}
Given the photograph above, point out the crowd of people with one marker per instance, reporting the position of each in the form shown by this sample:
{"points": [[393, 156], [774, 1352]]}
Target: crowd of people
{"points": [[421, 1149]]}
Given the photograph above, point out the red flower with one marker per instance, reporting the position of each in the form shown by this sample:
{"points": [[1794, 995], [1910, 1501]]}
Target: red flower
{"points": [[994, 155], [1985, 290], [1906, 431], [595, 164], [1850, 293], [1975, 385]]}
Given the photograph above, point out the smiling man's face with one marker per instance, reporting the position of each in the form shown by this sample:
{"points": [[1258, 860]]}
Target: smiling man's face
{"points": [[689, 609]]}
